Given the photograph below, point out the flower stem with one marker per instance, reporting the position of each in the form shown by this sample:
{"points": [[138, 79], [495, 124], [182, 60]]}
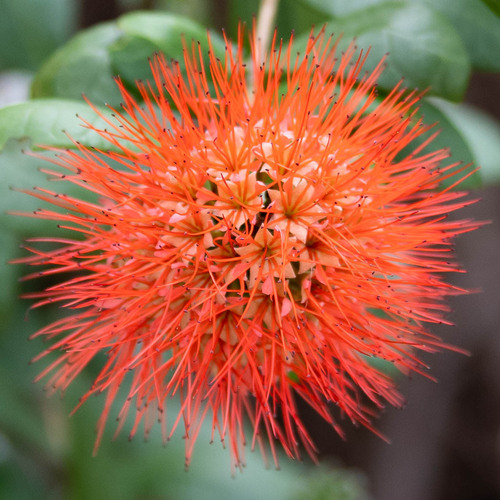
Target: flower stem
{"points": [[263, 33], [265, 22]]}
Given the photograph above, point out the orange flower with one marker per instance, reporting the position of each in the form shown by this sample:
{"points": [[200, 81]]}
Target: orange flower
{"points": [[253, 242]]}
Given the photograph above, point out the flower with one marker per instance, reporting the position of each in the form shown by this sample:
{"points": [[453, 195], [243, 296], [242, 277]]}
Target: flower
{"points": [[262, 231]]}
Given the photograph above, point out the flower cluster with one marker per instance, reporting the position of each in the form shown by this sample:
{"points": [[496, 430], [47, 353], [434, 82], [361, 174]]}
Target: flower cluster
{"points": [[262, 231]]}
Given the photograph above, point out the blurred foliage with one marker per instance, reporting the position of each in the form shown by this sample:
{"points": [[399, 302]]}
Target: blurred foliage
{"points": [[432, 44], [88, 63], [51, 122], [423, 47], [30, 30]]}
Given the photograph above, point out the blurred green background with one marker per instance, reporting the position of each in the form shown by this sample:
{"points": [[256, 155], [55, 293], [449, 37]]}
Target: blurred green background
{"points": [[449, 46]]}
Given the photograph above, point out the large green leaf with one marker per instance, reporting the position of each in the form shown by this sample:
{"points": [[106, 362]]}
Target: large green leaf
{"points": [[478, 27], [340, 8], [473, 20], [423, 46], [90, 61], [8, 251], [144, 33], [19, 170], [51, 122], [494, 5], [472, 135], [460, 129], [18, 412], [83, 65]]}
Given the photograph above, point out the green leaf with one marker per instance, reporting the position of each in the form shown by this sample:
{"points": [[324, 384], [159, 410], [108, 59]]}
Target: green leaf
{"points": [[426, 50], [423, 47], [17, 480], [478, 28], [197, 10], [91, 60], [478, 132], [83, 65], [452, 136], [22, 171], [8, 251], [473, 21], [494, 5], [50, 121], [331, 484], [145, 33], [18, 412], [32, 29], [340, 8]]}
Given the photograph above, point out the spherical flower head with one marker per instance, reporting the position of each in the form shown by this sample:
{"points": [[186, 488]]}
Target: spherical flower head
{"points": [[263, 229]]}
